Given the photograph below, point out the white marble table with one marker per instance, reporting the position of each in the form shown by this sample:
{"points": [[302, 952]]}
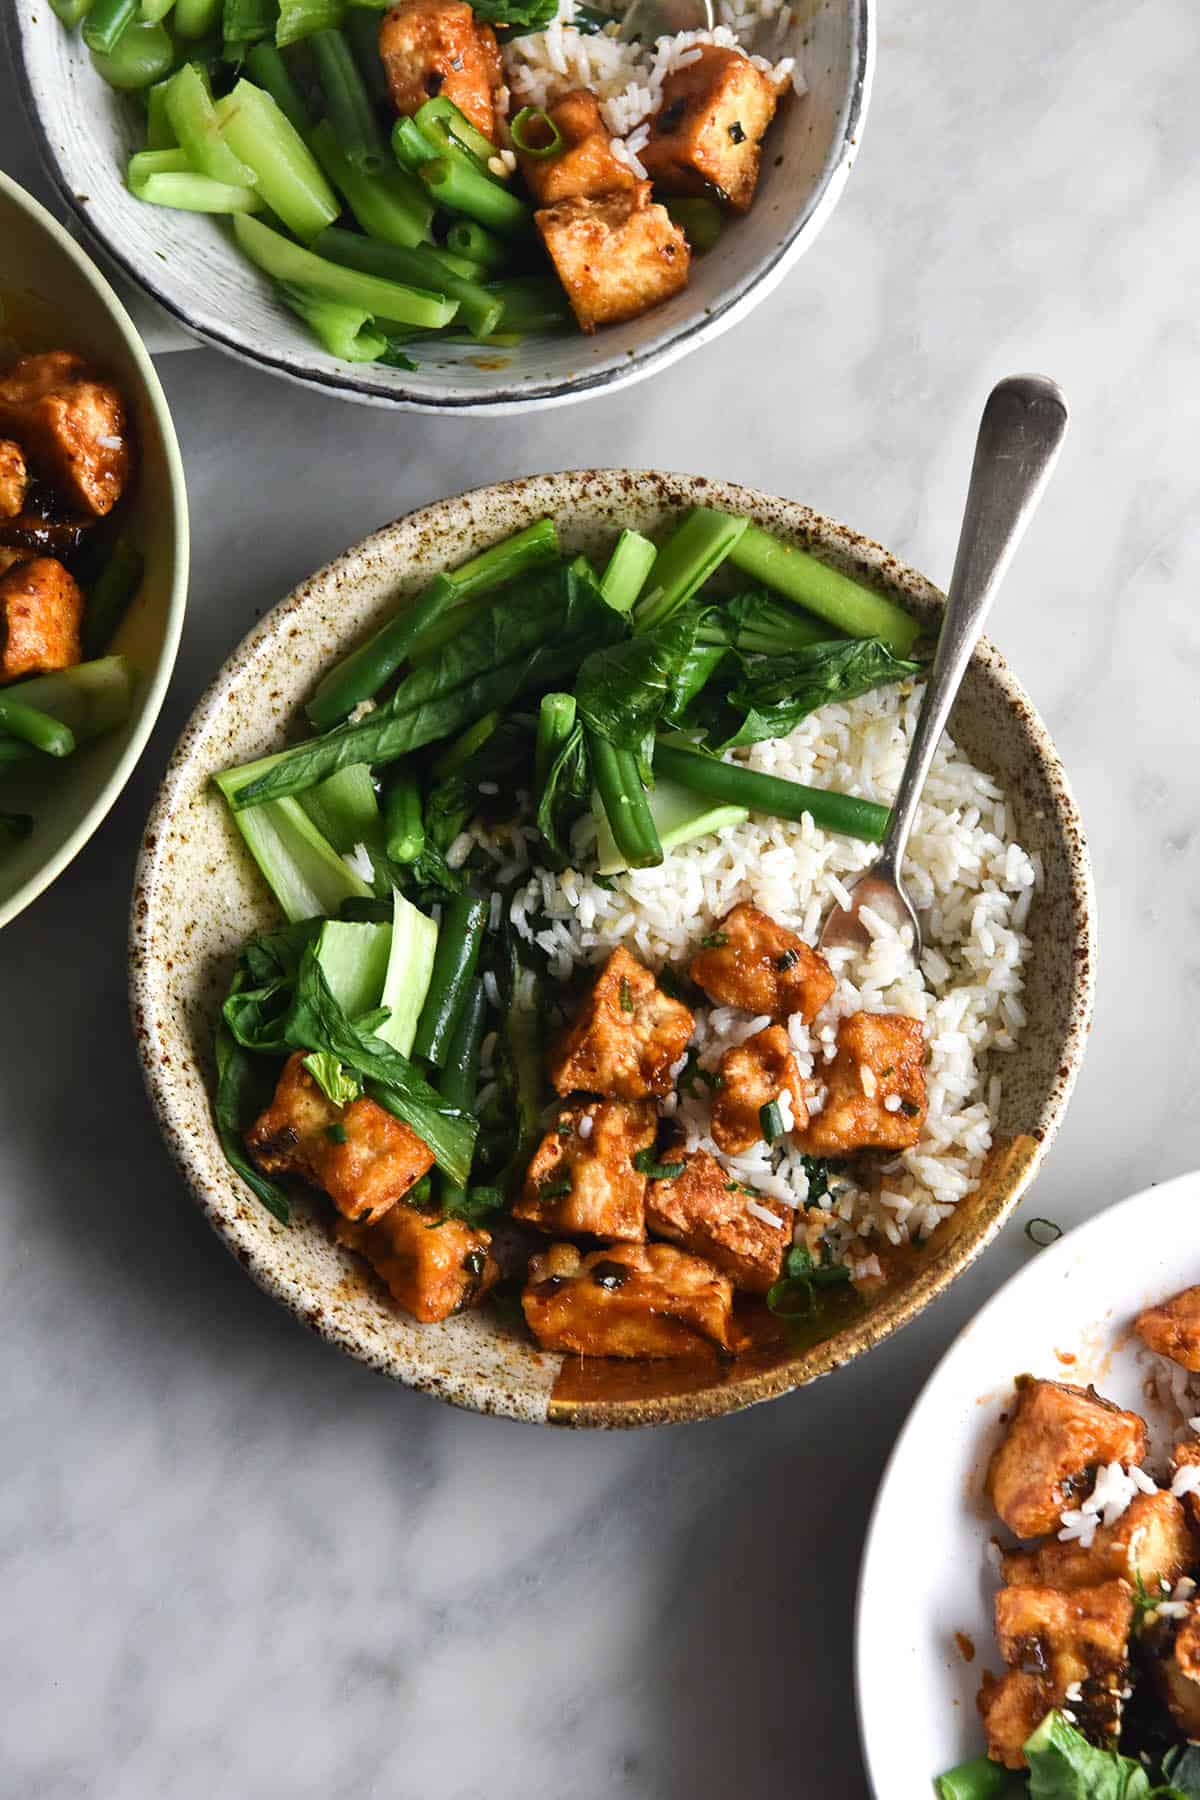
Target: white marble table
{"points": [[233, 1564]]}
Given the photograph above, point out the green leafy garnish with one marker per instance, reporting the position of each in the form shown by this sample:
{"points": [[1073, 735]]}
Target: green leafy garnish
{"points": [[336, 1133], [794, 1295], [1064, 1766], [555, 1189], [715, 940], [335, 1082], [646, 1163], [242, 1091], [626, 993], [770, 1121]]}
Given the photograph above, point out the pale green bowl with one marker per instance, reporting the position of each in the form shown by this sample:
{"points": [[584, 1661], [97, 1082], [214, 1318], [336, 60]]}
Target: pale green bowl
{"points": [[47, 283]]}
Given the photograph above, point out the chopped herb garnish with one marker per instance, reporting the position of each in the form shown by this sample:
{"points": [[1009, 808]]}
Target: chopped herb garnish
{"points": [[715, 940], [817, 1168], [770, 1120], [565, 1127], [336, 1133], [787, 961], [1043, 1232], [909, 1108], [626, 993], [794, 1295], [690, 1072], [555, 1190], [645, 1162], [710, 1079], [739, 1187], [605, 882]]}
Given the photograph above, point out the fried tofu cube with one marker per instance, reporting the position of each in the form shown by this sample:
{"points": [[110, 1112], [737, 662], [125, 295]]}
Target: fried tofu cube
{"points": [[432, 47], [72, 426], [1012, 1707], [629, 1300], [363, 1157], [1173, 1329], [431, 1267], [1178, 1674], [750, 1075], [750, 960], [706, 136], [14, 479], [874, 1087], [41, 613], [1078, 1640], [1185, 1456], [617, 255], [625, 1038], [706, 1211], [582, 1177], [584, 165], [1151, 1540], [1057, 1436]]}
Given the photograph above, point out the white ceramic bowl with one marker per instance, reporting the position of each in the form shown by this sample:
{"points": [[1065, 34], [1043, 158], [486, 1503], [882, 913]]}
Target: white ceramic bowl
{"points": [[41, 267], [86, 134]]}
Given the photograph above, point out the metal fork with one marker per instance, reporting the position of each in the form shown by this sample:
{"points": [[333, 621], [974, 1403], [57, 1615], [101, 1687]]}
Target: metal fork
{"points": [[1020, 435]]}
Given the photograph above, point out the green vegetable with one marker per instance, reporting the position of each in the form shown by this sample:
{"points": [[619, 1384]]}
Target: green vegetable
{"points": [[524, 15], [503, 759], [159, 135], [756, 621], [193, 118], [354, 961], [564, 790], [336, 1085], [142, 56], [243, 1090], [243, 22], [511, 648], [623, 689], [404, 827], [628, 566], [531, 303], [31, 726], [186, 192], [409, 971], [196, 18], [770, 794], [90, 699], [487, 575], [470, 742], [775, 693], [770, 1121], [460, 939], [347, 332], [411, 148], [979, 1779], [832, 596], [556, 721], [301, 867], [362, 32], [521, 1035], [344, 810], [348, 105], [285, 171], [466, 237], [267, 70], [693, 552], [392, 208], [459, 1081], [71, 12], [290, 263], [111, 595], [534, 132], [679, 816], [441, 121], [1064, 1766], [794, 1295], [478, 310], [618, 781], [106, 23], [460, 188], [264, 981], [1181, 1767], [646, 1163], [701, 221]]}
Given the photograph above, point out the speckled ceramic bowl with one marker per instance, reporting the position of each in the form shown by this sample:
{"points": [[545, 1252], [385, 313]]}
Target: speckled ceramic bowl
{"points": [[50, 289], [86, 134], [197, 897]]}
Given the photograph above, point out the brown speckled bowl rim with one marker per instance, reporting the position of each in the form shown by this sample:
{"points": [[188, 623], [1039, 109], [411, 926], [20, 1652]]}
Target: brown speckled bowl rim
{"points": [[731, 1390]]}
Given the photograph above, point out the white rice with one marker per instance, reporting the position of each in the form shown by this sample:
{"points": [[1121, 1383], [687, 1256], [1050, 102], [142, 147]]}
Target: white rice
{"points": [[969, 880], [627, 78]]}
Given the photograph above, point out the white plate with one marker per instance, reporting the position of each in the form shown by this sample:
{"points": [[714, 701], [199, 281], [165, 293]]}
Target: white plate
{"points": [[925, 1572]]}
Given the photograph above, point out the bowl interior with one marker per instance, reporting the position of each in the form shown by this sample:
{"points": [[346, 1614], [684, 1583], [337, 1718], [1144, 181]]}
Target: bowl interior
{"points": [[197, 897], [50, 293], [87, 133]]}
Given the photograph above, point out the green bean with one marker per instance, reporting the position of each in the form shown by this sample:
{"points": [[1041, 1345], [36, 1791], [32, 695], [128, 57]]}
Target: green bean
{"points": [[619, 784], [477, 580], [31, 726], [301, 18], [522, 1036], [384, 300], [478, 310], [268, 70], [440, 116], [143, 55], [362, 29], [107, 23], [155, 11], [460, 939], [533, 303], [194, 121], [700, 220], [111, 596], [836, 598], [410, 146], [979, 1779], [689, 557], [628, 566], [285, 170], [71, 12], [347, 332], [461, 189], [462, 748], [360, 675], [245, 22], [185, 191], [460, 1077], [739, 786], [392, 207], [556, 720], [159, 132], [455, 265], [467, 237], [348, 105], [196, 18], [403, 826]]}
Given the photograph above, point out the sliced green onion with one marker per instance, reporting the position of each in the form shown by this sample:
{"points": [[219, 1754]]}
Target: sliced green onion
{"points": [[770, 1121], [387, 300], [528, 118]]}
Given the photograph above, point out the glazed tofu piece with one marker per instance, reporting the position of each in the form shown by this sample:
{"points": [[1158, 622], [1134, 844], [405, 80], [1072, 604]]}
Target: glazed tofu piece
{"points": [[432, 47], [706, 1211], [706, 136], [1012, 1707], [1151, 1540], [72, 426], [627, 1300], [41, 612], [582, 1177], [751, 961], [363, 1157], [1173, 1329], [625, 1038], [1178, 1673], [1057, 1436], [431, 1267], [584, 166], [875, 1087], [750, 1075], [1077, 1640], [1187, 1456], [616, 255], [14, 479]]}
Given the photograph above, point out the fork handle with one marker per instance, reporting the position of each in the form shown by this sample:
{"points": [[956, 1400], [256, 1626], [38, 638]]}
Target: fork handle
{"points": [[1020, 435]]}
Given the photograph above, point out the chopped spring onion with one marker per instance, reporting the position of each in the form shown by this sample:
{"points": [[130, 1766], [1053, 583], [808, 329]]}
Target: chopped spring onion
{"points": [[535, 120]]}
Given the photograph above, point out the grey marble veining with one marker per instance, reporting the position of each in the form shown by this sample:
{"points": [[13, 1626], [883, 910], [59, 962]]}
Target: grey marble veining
{"points": [[233, 1564]]}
